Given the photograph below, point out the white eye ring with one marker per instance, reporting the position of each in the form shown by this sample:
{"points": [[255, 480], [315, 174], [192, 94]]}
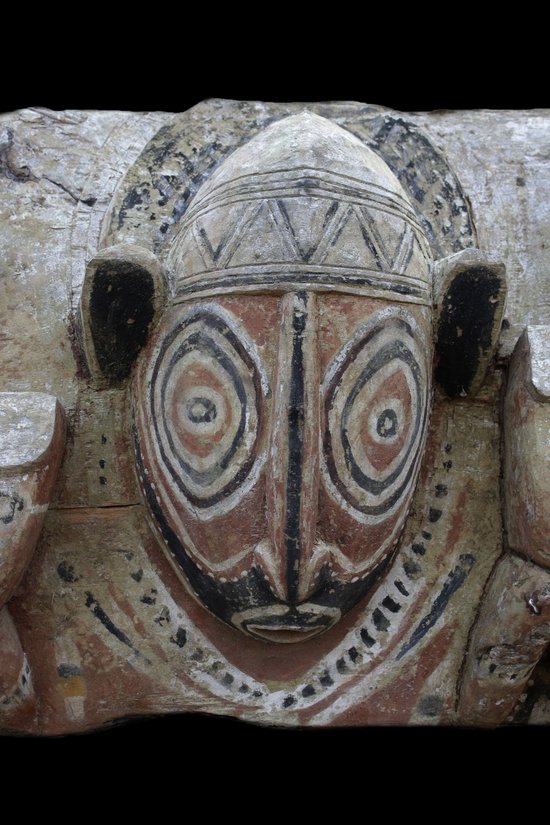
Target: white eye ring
{"points": [[227, 425], [357, 421]]}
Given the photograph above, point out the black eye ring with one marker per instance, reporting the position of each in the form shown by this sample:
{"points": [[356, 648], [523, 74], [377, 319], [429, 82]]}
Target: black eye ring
{"points": [[207, 336], [387, 424], [201, 410], [390, 344]]}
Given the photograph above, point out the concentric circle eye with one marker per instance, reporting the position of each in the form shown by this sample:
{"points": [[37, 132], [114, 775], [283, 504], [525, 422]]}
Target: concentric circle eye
{"points": [[375, 407], [205, 403]]}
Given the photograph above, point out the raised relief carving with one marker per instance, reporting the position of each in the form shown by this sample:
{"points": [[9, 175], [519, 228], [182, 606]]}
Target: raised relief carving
{"points": [[277, 448], [31, 448], [513, 630], [291, 335]]}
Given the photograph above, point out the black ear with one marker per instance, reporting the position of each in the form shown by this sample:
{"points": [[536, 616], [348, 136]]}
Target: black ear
{"points": [[123, 294], [469, 300]]}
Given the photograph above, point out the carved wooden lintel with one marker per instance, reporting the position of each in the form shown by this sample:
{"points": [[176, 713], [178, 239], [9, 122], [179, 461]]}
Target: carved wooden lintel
{"points": [[294, 428]]}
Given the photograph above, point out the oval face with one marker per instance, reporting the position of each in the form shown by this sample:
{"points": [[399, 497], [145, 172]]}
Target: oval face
{"points": [[206, 408], [278, 443], [375, 407]]}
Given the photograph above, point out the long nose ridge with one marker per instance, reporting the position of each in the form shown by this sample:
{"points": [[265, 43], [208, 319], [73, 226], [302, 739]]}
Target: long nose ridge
{"points": [[293, 470]]}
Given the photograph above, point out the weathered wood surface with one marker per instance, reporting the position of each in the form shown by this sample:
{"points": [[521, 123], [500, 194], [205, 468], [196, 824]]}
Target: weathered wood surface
{"points": [[107, 627]]}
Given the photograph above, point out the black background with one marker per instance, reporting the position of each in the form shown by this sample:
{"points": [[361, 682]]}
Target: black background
{"points": [[457, 67]]}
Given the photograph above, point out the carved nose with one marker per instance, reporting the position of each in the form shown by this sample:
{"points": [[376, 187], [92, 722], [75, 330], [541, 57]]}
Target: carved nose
{"points": [[293, 469]]}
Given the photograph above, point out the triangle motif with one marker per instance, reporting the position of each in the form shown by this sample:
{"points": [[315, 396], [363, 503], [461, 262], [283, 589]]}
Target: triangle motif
{"points": [[275, 242], [218, 238], [309, 222], [352, 244]]}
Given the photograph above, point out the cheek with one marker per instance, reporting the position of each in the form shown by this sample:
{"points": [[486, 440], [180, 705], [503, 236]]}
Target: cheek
{"points": [[359, 546], [224, 545]]}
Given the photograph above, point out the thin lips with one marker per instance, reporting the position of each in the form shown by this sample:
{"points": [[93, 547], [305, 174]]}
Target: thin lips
{"points": [[287, 624]]}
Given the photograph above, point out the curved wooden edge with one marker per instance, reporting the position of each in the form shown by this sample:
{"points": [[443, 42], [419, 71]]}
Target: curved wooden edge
{"points": [[508, 640], [526, 425], [31, 430]]}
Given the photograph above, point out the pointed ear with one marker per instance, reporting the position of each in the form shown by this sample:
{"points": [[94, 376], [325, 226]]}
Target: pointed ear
{"points": [[469, 300], [123, 295]]}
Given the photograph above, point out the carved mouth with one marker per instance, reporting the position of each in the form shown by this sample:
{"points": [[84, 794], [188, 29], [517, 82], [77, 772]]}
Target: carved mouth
{"points": [[284, 624]]}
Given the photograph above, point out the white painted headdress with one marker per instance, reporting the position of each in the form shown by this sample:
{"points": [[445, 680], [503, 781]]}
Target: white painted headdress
{"points": [[302, 205]]}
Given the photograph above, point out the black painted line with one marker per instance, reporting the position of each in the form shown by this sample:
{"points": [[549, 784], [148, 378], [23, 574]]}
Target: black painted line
{"points": [[366, 638], [334, 218], [109, 625], [277, 282], [285, 224], [380, 621], [201, 342], [212, 253], [319, 187], [391, 605], [321, 274], [411, 568], [369, 230], [453, 582], [312, 172], [403, 250], [320, 177], [280, 269], [401, 587], [250, 275], [230, 242], [395, 350], [296, 422], [370, 243], [323, 195]]}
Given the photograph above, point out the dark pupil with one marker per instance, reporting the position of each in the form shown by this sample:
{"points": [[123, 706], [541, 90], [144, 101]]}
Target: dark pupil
{"points": [[387, 423], [200, 410]]}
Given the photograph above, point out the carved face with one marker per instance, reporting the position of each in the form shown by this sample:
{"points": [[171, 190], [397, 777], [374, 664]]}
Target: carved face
{"points": [[279, 440], [281, 406]]}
